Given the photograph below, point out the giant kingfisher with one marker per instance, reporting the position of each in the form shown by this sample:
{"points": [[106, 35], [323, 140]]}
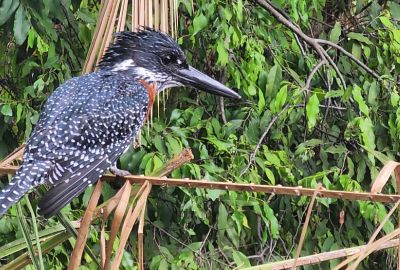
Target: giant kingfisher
{"points": [[89, 121]]}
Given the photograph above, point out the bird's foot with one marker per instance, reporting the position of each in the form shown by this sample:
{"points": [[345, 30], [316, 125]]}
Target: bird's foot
{"points": [[119, 172]]}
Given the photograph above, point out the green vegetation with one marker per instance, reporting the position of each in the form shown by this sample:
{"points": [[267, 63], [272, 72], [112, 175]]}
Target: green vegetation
{"points": [[328, 133]]}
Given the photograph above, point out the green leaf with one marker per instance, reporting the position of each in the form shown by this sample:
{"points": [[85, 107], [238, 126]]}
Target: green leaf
{"points": [[274, 224], [312, 110], [356, 50], [274, 80], [222, 53], [21, 25], [164, 265], [228, 13], [367, 132], [7, 9], [173, 145], [214, 194], [359, 37], [394, 10], [239, 10], [280, 100], [360, 100], [222, 219], [335, 32], [19, 112], [334, 93], [270, 175], [6, 110], [240, 259], [199, 23]]}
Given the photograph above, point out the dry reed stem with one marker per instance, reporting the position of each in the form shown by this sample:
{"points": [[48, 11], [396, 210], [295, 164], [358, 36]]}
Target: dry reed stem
{"points": [[305, 226], [122, 16], [374, 235], [371, 247], [150, 14], [140, 234], [98, 34], [130, 220], [320, 257], [383, 176], [103, 243], [278, 189], [157, 15], [84, 228], [116, 223], [110, 19], [17, 153]]}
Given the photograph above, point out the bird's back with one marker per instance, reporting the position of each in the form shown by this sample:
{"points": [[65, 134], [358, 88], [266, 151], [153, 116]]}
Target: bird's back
{"points": [[86, 125]]}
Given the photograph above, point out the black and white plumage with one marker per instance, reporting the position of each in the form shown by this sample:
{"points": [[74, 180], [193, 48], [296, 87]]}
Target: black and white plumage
{"points": [[90, 120]]}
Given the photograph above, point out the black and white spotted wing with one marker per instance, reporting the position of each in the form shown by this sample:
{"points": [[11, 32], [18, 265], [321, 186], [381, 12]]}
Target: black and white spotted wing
{"points": [[86, 125]]}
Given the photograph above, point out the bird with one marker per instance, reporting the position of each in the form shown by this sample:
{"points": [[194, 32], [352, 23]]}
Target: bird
{"points": [[90, 120]]}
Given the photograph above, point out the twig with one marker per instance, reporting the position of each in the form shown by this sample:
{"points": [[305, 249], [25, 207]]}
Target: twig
{"points": [[352, 57], [305, 226], [315, 43], [318, 258], [84, 228], [312, 73], [221, 99], [362, 253], [278, 189], [17, 153], [253, 154]]}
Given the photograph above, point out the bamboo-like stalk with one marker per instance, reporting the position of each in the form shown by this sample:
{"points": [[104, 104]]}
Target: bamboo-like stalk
{"points": [[305, 226], [321, 257], [292, 191], [156, 15], [84, 229]]}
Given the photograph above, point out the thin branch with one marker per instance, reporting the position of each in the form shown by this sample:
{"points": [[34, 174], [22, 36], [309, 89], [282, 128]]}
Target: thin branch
{"points": [[278, 189], [315, 43], [352, 57], [305, 226], [321, 257], [312, 74], [253, 154]]}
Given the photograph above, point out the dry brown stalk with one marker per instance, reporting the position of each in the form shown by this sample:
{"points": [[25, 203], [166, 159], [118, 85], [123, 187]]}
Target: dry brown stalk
{"points": [[378, 185], [156, 15], [97, 37], [278, 189], [384, 174], [305, 226], [103, 242], [369, 248], [140, 234], [117, 220], [130, 220], [84, 228], [360, 255], [17, 153], [318, 258]]}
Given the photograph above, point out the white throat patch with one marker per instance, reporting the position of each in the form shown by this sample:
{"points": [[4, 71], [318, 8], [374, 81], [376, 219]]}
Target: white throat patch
{"points": [[124, 65]]}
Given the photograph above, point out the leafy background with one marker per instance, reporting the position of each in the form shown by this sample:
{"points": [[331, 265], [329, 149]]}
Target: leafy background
{"points": [[334, 135]]}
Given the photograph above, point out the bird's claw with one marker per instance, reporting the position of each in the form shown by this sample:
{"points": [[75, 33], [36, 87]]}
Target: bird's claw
{"points": [[119, 172]]}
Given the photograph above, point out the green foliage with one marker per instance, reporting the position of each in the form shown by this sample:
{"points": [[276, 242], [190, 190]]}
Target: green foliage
{"points": [[332, 135]]}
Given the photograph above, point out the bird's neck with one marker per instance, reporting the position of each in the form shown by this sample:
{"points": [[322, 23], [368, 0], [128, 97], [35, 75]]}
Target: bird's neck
{"points": [[152, 91]]}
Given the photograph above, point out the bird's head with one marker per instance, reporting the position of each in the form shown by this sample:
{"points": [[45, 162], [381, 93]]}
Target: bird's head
{"points": [[156, 58]]}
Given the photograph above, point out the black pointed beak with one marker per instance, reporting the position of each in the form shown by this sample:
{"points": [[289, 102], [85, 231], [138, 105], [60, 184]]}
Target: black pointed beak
{"points": [[199, 80]]}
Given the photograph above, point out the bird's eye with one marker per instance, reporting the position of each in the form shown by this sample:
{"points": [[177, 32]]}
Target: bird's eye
{"points": [[169, 59]]}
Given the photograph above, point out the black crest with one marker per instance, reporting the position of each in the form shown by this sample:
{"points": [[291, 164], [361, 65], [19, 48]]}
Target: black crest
{"points": [[130, 45]]}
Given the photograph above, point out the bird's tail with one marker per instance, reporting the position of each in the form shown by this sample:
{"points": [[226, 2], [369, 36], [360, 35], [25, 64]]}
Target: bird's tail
{"points": [[28, 176]]}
